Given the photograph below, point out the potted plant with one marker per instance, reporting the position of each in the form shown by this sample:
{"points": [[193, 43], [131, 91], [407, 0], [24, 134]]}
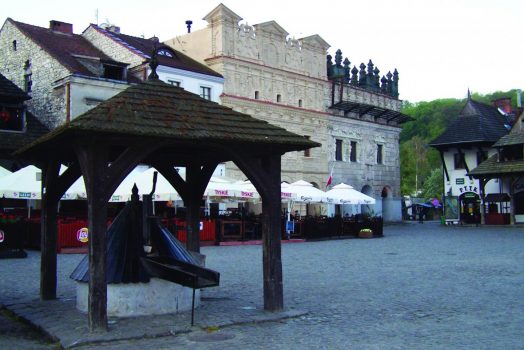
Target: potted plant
{"points": [[365, 233]]}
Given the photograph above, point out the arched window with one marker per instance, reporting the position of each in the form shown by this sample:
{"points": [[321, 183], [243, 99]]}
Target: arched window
{"points": [[279, 98], [257, 95]]}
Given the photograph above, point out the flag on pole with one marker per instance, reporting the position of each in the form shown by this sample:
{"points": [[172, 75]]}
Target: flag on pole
{"points": [[330, 178]]}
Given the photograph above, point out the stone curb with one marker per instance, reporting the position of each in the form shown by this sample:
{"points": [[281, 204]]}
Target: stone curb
{"points": [[61, 322]]}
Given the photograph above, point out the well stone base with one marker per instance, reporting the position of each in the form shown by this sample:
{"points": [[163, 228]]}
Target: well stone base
{"points": [[139, 299]]}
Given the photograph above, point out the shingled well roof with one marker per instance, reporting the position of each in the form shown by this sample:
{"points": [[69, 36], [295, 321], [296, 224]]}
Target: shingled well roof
{"points": [[165, 112]]}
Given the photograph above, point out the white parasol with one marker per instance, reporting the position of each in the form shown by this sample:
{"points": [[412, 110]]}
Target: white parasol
{"points": [[346, 194]]}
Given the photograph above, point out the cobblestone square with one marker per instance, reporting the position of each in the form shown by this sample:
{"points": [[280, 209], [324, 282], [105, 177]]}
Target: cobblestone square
{"points": [[422, 286]]}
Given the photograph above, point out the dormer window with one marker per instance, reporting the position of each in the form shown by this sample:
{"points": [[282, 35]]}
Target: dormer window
{"points": [[115, 72], [165, 52]]}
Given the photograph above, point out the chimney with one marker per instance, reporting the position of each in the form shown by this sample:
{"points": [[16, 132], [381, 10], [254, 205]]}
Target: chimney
{"points": [[503, 103], [114, 29], [188, 24], [62, 27]]}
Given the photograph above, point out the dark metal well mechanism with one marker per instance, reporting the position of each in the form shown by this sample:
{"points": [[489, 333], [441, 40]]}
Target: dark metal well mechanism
{"points": [[133, 232]]}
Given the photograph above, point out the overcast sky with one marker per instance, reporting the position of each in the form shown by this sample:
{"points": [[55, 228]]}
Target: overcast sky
{"points": [[440, 47]]}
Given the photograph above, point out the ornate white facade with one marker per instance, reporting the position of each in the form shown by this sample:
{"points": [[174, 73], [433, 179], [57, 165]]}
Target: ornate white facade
{"points": [[283, 80]]}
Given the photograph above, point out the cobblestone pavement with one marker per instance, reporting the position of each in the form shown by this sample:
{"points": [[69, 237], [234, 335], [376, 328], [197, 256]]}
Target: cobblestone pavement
{"points": [[422, 286]]}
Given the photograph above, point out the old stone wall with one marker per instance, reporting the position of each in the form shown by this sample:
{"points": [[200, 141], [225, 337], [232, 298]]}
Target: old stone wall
{"points": [[46, 103], [295, 165], [112, 48], [365, 170]]}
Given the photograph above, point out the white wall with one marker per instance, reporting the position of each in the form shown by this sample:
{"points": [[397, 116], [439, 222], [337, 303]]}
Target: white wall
{"points": [[86, 92], [470, 185], [192, 81]]}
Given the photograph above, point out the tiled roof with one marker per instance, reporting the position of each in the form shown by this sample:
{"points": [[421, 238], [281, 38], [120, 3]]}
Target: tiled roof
{"points": [[476, 123], [63, 46], [510, 139], [11, 141], [492, 168], [9, 90], [145, 47], [165, 112]]}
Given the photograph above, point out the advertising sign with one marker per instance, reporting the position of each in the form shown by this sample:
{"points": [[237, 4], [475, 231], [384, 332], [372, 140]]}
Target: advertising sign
{"points": [[82, 235]]}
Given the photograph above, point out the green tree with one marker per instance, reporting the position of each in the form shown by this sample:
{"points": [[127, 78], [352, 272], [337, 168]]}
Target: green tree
{"points": [[433, 186], [430, 119]]}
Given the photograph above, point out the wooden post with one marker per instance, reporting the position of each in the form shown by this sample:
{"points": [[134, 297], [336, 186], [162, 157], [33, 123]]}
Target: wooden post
{"points": [[193, 225], [482, 183], [192, 191], [511, 182], [265, 176], [54, 186], [48, 239], [93, 161], [193, 207], [271, 230]]}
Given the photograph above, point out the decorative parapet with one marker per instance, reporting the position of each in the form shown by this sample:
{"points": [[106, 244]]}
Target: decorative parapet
{"points": [[368, 79]]}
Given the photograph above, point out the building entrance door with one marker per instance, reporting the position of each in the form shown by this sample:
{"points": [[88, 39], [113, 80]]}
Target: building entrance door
{"points": [[470, 208]]}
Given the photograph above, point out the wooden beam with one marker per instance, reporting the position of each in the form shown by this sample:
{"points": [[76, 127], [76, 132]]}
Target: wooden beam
{"points": [[197, 178], [265, 174], [192, 190], [54, 187], [93, 161], [444, 164]]}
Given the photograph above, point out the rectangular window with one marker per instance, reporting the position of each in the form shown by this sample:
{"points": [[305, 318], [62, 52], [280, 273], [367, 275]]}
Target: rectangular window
{"points": [[28, 82], [459, 161], [307, 152], [338, 150], [114, 72], [353, 152], [379, 154], [174, 82], [205, 92], [481, 156]]}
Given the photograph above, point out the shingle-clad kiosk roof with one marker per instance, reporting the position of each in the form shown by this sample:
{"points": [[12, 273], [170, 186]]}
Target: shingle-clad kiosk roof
{"points": [[164, 126]]}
